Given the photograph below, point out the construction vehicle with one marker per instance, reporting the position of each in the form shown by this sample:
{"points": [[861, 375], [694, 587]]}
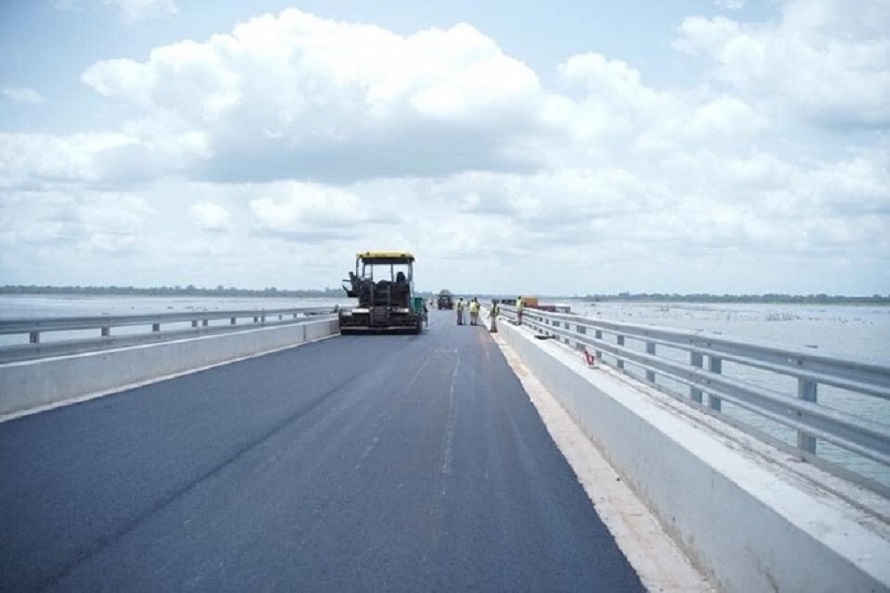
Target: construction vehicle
{"points": [[445, 300], [383, 283]]}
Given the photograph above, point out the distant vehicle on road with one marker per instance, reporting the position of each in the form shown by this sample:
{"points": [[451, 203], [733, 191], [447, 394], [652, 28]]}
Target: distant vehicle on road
{"points": [[445, 301]]}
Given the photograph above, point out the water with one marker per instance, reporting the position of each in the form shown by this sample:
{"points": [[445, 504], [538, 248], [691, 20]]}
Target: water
{"points": [[42, 306], [857, 331]]}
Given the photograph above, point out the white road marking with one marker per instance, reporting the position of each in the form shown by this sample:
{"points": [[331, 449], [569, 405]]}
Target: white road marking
{"points": [[447, 453]]}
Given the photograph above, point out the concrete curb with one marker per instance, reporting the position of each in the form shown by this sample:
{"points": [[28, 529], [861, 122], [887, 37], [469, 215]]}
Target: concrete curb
{"points": [[743, 519], [37, 384]]}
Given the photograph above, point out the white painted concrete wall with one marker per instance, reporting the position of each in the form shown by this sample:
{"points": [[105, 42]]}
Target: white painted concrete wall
{"points": [[729, 501], [37, 384]]}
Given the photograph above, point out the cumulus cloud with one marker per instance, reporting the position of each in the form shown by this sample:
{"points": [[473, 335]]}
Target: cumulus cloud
{"points": [[140, 152], [584, 195], [309, 212], [719, 123], [684, 209], [823, 59], [82, 222], [611, 82], [295, 95], [211, 216], [29, 222], [332, 137], [30, 160], [114, 223], [24, 95]]}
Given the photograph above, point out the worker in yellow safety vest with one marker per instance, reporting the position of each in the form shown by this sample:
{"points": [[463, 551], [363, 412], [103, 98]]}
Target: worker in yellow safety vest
{"points": [[493, 315], [474, 312], [460, 311]]}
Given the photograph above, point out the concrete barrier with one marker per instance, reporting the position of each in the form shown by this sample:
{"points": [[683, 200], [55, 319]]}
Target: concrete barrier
{"points": [[729, 501], [37, 384]]}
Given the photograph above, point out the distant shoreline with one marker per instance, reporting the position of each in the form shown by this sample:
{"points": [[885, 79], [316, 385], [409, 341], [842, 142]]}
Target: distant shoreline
{"points": [[193, 291], [791, 299], [170, 291]]}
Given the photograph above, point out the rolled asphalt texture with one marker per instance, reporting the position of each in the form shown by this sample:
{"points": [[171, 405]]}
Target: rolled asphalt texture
{"points": [[359, 463]]}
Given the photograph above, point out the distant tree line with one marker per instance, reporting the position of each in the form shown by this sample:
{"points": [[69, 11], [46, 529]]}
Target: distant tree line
{"points": [[190, 290], [231, 291], [771, 298]]}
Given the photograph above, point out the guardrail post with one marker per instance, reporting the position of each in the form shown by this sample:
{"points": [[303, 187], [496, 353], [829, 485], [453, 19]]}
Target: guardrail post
{"points": [[581, 330], [34, 337], [232, 321], [106, 331], [697, 360], [715, 365], [650, 349], [620, 363], [155, 327], [598, 334], [205, 322], [806, 391], [194, 323]]}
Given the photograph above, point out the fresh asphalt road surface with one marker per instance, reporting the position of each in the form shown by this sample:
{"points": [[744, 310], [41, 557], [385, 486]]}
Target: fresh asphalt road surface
{"points": [[359, 463]]}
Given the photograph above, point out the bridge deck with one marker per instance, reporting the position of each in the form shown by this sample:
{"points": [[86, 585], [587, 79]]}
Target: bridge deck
{"points": [[406, 463]]}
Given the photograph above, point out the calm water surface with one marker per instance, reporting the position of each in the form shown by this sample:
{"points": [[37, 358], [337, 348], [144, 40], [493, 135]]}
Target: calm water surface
{"points": [[859, 331], [31, 306]]}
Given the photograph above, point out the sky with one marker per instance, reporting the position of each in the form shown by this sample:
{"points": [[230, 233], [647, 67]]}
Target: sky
{"points": [[571, 147]]}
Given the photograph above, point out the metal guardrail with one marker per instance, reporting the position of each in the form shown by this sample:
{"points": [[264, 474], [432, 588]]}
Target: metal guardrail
{"points": [[71, 335], [774, 385]]}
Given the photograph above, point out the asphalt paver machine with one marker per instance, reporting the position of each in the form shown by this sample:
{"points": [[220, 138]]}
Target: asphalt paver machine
{"points": [[383, 284]]}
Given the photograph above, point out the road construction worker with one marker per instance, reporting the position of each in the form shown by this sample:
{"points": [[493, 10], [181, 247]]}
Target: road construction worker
{"points": [[460, 311], [493, 315], [520, 305], [474, 312]]}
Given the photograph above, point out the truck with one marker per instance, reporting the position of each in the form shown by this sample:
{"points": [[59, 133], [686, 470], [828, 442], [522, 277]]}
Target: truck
{"points": [[383, 286], [445, 300]]}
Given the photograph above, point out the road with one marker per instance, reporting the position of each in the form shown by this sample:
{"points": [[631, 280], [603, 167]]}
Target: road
{"points": [[360, 463]]}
